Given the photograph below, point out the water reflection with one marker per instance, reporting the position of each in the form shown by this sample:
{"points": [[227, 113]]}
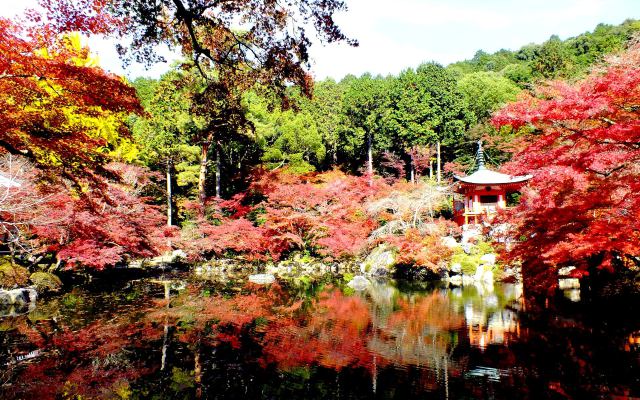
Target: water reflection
{"points": [[309, 339]]}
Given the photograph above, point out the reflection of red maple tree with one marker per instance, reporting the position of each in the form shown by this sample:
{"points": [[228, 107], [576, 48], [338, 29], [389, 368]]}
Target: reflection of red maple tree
{"points": [[336, 331], [419, 331], [334, 335], [86, 362], [217, 318], [340, 332]]}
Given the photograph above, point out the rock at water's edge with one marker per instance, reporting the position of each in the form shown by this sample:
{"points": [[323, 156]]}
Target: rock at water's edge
{"points": [[379, 262], [262, 279], [20, 296], [45, 282]]}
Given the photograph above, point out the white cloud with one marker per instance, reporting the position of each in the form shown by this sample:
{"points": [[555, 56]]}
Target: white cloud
{"points": [[10, 8]]}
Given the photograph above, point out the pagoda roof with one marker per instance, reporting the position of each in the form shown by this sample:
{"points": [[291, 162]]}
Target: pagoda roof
{"points": [[484, 176], [7, 183]]}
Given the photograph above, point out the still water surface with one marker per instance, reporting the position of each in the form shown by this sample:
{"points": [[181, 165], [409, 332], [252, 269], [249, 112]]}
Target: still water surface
{"points": [[180, 338]]}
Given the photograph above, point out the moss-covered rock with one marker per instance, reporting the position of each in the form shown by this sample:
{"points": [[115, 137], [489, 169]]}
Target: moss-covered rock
{"points": [[12, 275], [380, 261], [469, 260], [45, 282]]}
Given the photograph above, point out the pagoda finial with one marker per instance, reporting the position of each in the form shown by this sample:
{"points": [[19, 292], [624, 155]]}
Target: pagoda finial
{"points": [[480, 156]]}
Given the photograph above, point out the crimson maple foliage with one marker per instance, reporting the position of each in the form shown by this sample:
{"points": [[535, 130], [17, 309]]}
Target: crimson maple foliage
{"points": [[65, 115], [582, 206], [420, 249], [322, 214], [95, 230]]}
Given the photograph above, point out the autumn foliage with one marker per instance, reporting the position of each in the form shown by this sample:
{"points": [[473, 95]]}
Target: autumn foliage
{"points": [[64, 115], [334, 335], [582, 206], [53, 99], [419, 249], [113, 226], [327, 215], [281, 212], [94, 229]]}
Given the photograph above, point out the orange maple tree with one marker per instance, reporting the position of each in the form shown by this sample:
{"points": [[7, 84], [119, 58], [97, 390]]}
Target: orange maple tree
{"points": [[47, 90]]}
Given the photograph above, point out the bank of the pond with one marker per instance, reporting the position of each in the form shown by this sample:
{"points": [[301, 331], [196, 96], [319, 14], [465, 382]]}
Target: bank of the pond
{"points": [[467, 265]]}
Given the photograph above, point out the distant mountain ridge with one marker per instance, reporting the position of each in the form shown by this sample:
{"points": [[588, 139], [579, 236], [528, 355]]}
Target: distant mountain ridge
{"points": [[555, 58]]}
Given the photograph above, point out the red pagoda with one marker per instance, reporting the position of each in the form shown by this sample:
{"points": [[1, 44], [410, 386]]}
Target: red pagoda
{"points": [[484, 192]]}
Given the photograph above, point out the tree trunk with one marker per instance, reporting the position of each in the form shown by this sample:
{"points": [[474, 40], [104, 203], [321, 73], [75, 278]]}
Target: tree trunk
{"points": [[412, 171], [204, 163], [370, 158], [218, 171], [439, 162], [197, 370], [165, 336], [169, 193]]}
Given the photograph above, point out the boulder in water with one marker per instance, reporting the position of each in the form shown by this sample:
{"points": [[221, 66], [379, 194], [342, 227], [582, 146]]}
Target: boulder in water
{"points": [[450, 242], [568, 283], [566, 271], [483, 274], [455, 280], [46, 282], [489, 259], [20, 296], [456, 269], [262, 279], [12, 275]]}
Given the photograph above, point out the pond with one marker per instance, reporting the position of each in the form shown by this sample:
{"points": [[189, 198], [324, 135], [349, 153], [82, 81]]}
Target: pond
{"points": [[176, 337]]}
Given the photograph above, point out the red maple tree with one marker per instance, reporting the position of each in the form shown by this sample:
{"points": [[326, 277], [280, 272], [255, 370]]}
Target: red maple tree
{"points": [[582, 206], [95, 230], [281, 212]]}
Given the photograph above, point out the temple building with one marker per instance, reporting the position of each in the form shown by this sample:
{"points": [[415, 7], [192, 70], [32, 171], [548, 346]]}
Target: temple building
{"points": [[483, 193]]}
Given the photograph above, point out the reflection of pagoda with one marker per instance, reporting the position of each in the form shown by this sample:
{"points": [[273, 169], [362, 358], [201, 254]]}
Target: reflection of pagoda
{"points": [[487, 323], [484, 192], [502, 327]]}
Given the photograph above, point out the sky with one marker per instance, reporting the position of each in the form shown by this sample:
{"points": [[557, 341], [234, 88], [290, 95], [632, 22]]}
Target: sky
{"points": [[399, 34]]}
